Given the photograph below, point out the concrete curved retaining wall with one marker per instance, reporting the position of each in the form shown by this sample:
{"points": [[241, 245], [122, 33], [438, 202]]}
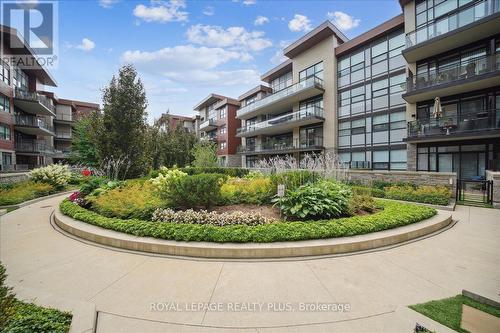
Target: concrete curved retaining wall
{"points": [[252, 250]]}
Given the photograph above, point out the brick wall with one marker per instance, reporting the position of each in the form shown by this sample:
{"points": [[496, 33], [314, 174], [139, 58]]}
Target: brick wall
{"points": [[12, 177]]}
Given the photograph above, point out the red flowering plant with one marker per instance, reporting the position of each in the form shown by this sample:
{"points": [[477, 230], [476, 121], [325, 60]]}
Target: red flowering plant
{"points": [[77, 198], [86, 172]]}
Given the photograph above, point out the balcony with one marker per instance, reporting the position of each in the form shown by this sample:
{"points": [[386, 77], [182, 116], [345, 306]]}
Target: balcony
{"points": [[64, 135], [32, 126], [474, 74], [457, 28], [63, 118], [283, 99], [483, 123], [32, 147], [61, 153], [283, 123], [208, 125], [34, 103], [283, 146]]}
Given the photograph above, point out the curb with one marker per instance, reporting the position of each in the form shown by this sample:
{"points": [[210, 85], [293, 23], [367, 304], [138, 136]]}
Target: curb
{"points": [[252, 250], [29, 202]]}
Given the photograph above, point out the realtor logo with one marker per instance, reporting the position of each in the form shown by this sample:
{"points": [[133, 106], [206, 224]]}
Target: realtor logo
{"points": [[36, 25]]}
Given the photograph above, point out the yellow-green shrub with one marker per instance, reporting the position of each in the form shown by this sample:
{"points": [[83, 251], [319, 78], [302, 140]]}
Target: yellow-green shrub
{"points": [[136, 199], [251, 191], [24, 191], [437, 195]]}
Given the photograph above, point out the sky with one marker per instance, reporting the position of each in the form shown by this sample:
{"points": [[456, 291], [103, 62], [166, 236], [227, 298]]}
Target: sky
{"points": [[185, 50]]}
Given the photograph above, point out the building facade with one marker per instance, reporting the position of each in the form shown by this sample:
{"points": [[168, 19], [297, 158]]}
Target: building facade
{"points": [[218, 123], [35, 126], [420, 92]]}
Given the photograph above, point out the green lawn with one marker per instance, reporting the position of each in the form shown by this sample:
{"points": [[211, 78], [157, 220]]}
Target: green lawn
{"points": [[448, 311]]}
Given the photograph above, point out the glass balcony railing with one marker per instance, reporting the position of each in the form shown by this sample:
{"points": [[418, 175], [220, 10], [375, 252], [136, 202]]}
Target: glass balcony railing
{"points": [[208, 123], [32, 121], [64, 117], [34, 97], [64, 134], [308, 83], [456, 72], [452, 125], [275, 146], [458, 18], [305, 113]]}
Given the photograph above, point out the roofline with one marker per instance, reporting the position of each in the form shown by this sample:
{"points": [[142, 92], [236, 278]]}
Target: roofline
{"points": [[254, 91], [46, 78], [403, 3], [207, 99], [295, 48], [227, 100], [282, 68], [374, 33]]}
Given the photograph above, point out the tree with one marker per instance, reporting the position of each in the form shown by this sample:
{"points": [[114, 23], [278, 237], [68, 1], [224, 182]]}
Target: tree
{"points": [[122, 129], [205, 154], [83, 145]]}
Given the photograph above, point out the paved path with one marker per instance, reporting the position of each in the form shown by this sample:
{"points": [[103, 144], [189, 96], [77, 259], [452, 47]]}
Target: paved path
{"points": [[44, 264]]}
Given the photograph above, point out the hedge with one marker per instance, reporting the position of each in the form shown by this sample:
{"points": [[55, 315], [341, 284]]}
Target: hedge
{"points": [[393, 215]]}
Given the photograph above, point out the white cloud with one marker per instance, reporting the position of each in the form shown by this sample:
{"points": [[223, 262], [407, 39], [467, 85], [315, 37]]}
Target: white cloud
{"points": [[209, 11], [162, 11], [181, 58], [85, 45], [107, 3], [249, 2], [237, 38], [300, 23], [261, 20], [344, 21], [219, 78], [278, 56]]}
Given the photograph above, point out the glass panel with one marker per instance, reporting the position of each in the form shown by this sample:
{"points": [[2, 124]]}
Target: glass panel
{"points": [[358, 156], [379, 48], [381, 156], [445, 162], [445, 7], [423, 160]]}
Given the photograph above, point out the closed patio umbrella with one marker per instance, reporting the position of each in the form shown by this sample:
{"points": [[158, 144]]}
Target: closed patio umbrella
{"points": [[438, 111]]}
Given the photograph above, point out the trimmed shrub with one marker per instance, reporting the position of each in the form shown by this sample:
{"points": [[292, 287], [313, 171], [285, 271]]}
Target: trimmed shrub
{"points": [[231, 172], [165, 177], [7, 299], [256, 191], [90, 184], [213, 218], [202, 190], [56, 175], [394, 214], [24, 191], [293, 179], [133, 200], [436, 195], [361, 203], [324, 199], [373, 192]]}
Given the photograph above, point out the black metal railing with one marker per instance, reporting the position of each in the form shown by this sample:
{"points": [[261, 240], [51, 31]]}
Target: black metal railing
{"points": [[474, 192], [448, 125], [34, 97], [457, 72], [33, 146], [453, 20], [304, 113], [4, 168], [284, 145], [32, 121]]}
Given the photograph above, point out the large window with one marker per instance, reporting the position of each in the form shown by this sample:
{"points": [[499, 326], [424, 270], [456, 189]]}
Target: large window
{"points": [[281, 82], [5, 133], [4, 103], [222, 113], [315, 70], [4, 72], [20, 79]]}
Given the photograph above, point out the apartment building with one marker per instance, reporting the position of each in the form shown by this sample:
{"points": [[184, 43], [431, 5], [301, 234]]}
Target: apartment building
{"points": [[453, 86], [218, 123], [32, 122], [294, 114], [373, 100]]}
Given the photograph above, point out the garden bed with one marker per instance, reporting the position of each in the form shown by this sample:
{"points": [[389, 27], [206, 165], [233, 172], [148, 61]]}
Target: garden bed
{"points": [[391, 216]]}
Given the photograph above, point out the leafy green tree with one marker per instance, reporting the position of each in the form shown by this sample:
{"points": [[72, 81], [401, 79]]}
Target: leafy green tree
{"points": [[83, 145], [205, 154], [122, 131]]}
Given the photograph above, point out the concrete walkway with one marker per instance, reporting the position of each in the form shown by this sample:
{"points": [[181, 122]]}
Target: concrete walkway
{"points": [[137, 293]]}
